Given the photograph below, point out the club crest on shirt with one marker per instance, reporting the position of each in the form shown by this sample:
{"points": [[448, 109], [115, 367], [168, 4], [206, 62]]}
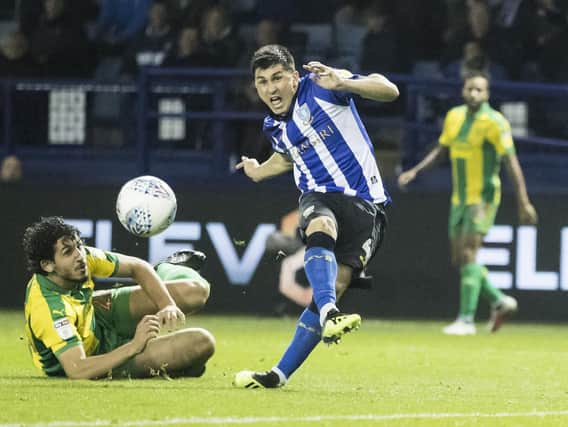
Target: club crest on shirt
{"points": [[304, 114]]}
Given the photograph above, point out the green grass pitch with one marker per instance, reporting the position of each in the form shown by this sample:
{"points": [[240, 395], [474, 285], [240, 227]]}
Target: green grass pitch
{"points": [[389, 373]]}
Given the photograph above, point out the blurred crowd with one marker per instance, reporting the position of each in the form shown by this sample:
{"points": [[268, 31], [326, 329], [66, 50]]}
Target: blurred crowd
{"points": [[512, 39]]}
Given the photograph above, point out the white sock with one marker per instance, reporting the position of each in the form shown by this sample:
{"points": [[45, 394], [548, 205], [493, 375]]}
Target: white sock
{"points": [[280, 374], [326, 309], [466, 319]]}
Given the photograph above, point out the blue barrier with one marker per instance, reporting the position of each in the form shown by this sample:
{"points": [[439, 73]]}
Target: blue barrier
{"points": [[139, 150]]}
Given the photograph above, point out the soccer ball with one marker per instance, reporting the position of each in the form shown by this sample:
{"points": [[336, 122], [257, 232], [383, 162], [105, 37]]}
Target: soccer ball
{"points": [[146, 206]]}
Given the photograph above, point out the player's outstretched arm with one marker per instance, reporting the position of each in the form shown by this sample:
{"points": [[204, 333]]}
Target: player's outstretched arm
{"points": [[438, 153], [169, 314], [375, 86], [78, 366], [276, 164], [527, 212]]}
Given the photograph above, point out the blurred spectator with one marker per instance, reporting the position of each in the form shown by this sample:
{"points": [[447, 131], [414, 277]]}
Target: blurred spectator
{"points": [[156, 42], [380, 52], [467, 21], [15, 58], [29, 13], [188, 12], [59, 44], [551, 37], [17, 62], [11, 169], [119, 21], [510, 39], [269, 31], [421, 25], [189, 51], [220, 37], [351, 12], [281, 11], [474, 59]]}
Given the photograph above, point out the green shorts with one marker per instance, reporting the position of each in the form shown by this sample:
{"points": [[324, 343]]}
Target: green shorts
{"points": [[469, 219], [113, 324]]}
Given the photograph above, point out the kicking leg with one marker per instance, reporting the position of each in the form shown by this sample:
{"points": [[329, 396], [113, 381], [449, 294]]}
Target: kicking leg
{"points": [[306, 338]]}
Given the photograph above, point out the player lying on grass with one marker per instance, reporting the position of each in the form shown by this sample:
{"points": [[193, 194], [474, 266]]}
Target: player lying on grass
{"points": [[80, 333], [315, 131]]}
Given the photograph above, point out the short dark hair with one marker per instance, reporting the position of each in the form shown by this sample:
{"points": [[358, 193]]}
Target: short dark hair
{"points": [[477, 73], [40, 238], [272, 54]]}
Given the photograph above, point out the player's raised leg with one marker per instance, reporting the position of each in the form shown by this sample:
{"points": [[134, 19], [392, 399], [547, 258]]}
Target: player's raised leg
{"points": [[305, 339], [502, 306], [188, 288]]}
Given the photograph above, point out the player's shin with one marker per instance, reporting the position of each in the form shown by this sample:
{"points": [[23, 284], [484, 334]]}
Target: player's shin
{"points": [[488, 291], [321, 269], [306, 337], [471, 276]]}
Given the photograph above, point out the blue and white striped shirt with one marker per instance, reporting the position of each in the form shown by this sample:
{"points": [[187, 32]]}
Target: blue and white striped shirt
{"points": [[324, 137]]}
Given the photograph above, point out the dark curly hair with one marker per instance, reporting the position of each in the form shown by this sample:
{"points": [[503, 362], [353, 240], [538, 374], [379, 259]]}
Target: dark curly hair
{"points": [[40, 238], [477, 73], [272, 54]]}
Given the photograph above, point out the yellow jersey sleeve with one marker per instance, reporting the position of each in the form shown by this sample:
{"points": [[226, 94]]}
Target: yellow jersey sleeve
{"points": [[101, 263], [445, 136], [500, 135], [57, 332]]}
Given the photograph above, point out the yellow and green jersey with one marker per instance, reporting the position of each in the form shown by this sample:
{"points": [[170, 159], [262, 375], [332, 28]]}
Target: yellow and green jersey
{"points": [[477, 143], [58, 319]]}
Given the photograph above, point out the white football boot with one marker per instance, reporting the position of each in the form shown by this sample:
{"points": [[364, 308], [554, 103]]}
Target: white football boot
{"points": [[459, 327], [501, 311]]}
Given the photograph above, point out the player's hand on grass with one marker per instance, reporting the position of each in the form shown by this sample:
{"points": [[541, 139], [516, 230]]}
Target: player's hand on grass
{"points": [[147, 329], [406, 177], [527, 214], [249, 166], [170, 317]]}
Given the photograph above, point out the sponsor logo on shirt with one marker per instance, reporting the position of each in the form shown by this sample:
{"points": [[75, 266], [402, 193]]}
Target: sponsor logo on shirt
{"points": [[63, 328]]}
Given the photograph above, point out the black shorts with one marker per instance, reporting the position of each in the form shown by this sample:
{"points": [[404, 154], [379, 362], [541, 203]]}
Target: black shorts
{"points": [[360, 225]]}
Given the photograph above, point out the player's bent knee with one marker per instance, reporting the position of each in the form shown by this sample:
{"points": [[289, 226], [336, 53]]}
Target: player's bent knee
{"points": [[192, 295], [205, 343], [323, 224], [468, 255]]}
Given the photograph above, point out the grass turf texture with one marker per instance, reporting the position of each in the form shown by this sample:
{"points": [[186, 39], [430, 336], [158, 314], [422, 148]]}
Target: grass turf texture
{"points": [[389, 373]]}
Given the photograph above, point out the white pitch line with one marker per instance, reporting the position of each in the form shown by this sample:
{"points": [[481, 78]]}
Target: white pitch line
{"points": [[307, 419]]}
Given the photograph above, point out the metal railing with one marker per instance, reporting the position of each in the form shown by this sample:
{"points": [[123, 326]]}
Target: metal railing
{"points": [[139, 118]]}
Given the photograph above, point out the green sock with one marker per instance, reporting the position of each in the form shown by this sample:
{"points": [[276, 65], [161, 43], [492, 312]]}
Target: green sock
{"points": [[488, 291], [471, 275], [168, 271]]}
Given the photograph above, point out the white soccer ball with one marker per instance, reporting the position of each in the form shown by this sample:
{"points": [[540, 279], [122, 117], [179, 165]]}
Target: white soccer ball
{"points": [[146, 206]]}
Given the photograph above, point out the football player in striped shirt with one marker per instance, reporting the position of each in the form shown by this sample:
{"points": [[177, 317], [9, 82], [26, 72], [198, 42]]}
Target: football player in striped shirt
{"points": [[315, 130], [80, 333], [478, 138]]}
